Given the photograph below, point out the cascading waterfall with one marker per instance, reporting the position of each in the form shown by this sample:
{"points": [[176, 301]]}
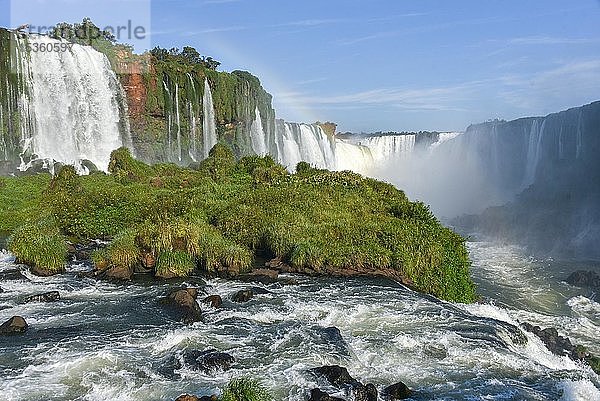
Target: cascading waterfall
{"points": [[533, 152], [178, 122], [386, 147], [193, 149], [74, 105], [257, 135], [209, 126]]}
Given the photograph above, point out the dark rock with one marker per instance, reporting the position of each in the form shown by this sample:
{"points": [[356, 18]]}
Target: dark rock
{"points": [[558, 345], [263, 276], [184, 305], [41, 272], [1, 290], [318, 395], [209, 361], [121, 273], [187, 397], [243, 296], [336, 376], [89, 165], [148, 260], [585, 279], [213, 300], [51, 296], [365, 393], [398, 391], [14, 325]]}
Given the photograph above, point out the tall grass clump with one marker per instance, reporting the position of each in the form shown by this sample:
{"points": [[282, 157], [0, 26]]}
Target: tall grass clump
{"points": [[245, 389], [40, 245], [123, 250], [172, 264]]}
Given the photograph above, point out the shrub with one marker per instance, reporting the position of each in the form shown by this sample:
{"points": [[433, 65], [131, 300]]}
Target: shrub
{"points": [[175, 264], [123, 250], [245, 390], [40, 245]]}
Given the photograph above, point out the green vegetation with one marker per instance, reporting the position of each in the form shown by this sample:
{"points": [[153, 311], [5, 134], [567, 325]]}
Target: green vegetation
{"points": [[40, 245], [216, 218], [245, 390]]}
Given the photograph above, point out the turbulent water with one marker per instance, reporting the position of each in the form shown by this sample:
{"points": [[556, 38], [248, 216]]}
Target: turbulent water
{"points": [[73, 102], [107, 341]]}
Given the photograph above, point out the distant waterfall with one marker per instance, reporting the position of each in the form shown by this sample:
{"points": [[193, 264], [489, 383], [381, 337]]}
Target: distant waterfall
{"points": [[74, 105], [209, 125], [192, 116], [533, 153], [257, 135], [387, 147], [304, 142]]}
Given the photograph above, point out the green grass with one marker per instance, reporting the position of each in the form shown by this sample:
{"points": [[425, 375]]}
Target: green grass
{"points": [[39, 244], [225, 211], [245, 390]]}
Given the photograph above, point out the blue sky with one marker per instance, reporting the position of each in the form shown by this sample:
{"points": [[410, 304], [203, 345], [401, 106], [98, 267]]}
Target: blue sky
{"points": [[386, 65]]}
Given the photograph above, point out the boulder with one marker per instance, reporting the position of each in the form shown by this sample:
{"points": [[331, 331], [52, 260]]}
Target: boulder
{"points": [[187, 397], [1, 290], [41, 272], [318, 395], [209, 361], [398, 391], [51, 296], [586, 279], [213, 300], [14, 325], [263, 276], [365, 392], [120, 273], [184, 305], [557, 344], [243, 296], [336, 376]]}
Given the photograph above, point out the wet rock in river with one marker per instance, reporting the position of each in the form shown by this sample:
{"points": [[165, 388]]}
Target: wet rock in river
{"points": [[336, 376], [183, 305], [14, 325], [51, 296], [209, 361], [263, 276], [213, 300], [398, 391], [243, 296], [365, 392], [318, 395]]}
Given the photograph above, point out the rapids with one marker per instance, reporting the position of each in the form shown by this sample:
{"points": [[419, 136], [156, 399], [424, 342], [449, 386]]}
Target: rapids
{"points": [[106, 341]]}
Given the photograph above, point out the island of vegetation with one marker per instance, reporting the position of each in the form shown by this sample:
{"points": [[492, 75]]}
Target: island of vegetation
{"points": [[223, 215]]}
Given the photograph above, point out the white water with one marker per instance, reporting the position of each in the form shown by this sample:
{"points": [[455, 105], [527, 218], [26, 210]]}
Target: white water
{"points": [[73, 104], [193, 149], [389, 147], [257, 135], [209, 126], [108, 341]]}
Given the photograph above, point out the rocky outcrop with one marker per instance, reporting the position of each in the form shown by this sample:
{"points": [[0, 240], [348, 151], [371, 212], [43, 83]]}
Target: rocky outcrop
{"points": [[51, 296], [14, 325], [318, 395], [209, 361], [243, 296], [183, 305], [562, 346], [336, 376], [263, 276], [214, 301], [398, 391]]}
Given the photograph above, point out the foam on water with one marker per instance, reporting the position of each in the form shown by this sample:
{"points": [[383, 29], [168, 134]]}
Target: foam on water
{"points": [[108, 341]]}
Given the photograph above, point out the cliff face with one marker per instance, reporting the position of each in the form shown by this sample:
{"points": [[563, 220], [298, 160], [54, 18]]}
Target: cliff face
{"points": [[167, 110], [552, 166]]}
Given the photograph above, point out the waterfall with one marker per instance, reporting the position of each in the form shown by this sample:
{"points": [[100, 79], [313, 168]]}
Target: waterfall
{"points": [[193, 149], [74, 102], [533, 152], [444, 137], [209, 126], [357, 158], [178, 121], [386, 147], [257, 135]]}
